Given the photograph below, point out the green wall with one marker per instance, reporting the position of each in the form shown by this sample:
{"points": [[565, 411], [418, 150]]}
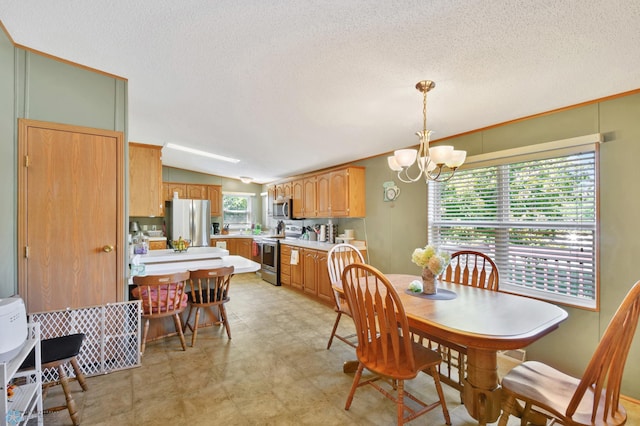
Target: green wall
{"points": [[395, 229], [38, 87]]}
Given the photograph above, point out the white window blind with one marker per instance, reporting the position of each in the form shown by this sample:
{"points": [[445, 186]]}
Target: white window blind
{"points": [[537, 220]]}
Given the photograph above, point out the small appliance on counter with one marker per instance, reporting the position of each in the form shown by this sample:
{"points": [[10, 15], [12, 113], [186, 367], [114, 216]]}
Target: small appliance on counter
{"points": [[215, 228], [13, 327]]}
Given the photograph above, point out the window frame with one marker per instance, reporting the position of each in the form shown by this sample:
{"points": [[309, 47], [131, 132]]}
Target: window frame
{"points": [[249, 212], [543, 151]]}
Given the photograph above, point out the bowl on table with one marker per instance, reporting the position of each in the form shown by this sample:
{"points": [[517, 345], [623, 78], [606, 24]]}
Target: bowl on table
{"points": [[180, 245]]}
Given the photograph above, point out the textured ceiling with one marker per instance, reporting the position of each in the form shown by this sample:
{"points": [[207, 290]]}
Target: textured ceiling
{"points": [[289, 86]]}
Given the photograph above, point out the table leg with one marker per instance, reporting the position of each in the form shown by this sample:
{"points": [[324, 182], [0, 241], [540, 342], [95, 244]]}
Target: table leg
{"points": [[482, 391]]}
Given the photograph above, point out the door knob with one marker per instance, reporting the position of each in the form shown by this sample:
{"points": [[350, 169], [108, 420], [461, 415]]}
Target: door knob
{"points": [[107, 249]]}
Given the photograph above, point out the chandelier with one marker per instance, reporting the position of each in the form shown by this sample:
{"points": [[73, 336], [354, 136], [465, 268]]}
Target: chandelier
{"points": [[438, 163]]}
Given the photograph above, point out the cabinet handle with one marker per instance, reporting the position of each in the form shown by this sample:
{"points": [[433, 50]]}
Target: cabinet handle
{"points": [[107, 249]]}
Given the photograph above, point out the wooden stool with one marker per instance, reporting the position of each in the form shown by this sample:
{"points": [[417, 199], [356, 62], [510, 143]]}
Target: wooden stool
{"points": [[55, 353]]}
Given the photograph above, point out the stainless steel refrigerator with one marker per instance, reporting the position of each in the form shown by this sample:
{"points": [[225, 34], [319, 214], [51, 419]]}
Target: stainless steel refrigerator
{"points": [[189, 219]]}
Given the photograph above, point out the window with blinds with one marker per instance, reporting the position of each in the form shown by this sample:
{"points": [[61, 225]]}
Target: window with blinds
{"points": [[537, 220]]}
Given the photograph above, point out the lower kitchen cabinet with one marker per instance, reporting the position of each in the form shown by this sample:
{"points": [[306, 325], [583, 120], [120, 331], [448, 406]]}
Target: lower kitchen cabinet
{"points": [[285, 265], [157, 245], [309, 275]]}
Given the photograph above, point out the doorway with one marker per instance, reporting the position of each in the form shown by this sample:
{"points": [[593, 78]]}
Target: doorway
{"points": [[70, 216]]}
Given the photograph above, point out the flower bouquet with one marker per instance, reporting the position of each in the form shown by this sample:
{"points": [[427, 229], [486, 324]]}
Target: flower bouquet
{"points": [[433, 262]]}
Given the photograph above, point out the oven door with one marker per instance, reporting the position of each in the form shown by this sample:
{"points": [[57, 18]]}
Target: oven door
{"points": [[270, 262]]}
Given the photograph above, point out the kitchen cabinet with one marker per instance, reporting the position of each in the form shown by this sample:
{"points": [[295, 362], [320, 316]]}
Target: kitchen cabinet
{"points": [[341, 193], [309, 208], [197, 192], [214, 194], [316, 275], [285, 264], [145, 180], [297, 270], [157, 245], [27, 400], [297, 195], [284, 190], [172, 187], [243, 247], [194, 191], [230, 242]]}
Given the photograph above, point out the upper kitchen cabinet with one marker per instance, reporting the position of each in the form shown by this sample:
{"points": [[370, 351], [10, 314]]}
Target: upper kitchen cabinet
{"points": [[214, 195], [309, 201], [284, 190], [197, 192], [341, 193], [171, 188], [145, 180]]}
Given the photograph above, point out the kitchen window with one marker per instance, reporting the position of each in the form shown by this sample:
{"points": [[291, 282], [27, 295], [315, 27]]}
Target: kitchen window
{"points": [[237, 210], [535, 215]]}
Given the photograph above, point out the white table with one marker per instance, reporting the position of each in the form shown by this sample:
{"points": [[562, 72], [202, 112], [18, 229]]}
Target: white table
{"points": [[240, 264]]}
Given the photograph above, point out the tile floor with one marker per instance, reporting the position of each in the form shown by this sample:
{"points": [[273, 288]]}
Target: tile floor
{"points": [[275, 370]]}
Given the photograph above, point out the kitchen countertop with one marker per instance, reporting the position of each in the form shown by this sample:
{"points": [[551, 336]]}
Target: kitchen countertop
{"points": [[240, 264], [193, 253], [314, 244]]}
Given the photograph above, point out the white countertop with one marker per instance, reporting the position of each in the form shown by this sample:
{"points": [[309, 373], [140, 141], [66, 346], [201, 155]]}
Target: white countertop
{"points": [[314, 244], [240, 264], [193, 253]]}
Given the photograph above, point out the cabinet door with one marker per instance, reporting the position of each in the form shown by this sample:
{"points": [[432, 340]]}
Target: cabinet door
{"points": [[271, 196], [339, 193], [285, 265], [172, 187], [157, 245], [283, 190], [145, 180], [214, 194], [297, 271], [323, 202], [310, 266], [309, 197], [197, 192], [297, 191], [243, 247], [325, 291]]}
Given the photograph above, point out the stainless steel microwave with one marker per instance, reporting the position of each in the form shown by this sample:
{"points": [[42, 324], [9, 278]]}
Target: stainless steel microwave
{"points": [[283, 209]]}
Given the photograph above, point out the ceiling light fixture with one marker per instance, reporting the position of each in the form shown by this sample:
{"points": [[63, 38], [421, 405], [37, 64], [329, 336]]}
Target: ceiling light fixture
{"points": [[432, 162], [245, 179], [202, 153]]}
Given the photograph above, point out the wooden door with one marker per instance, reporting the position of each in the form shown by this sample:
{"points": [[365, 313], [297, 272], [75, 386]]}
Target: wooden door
{"points": [[71, 214], [310, 271], [323, 195], [197, 192], [145, 180], [214, 193], [339, 193], [170, 188], [309, 197], [297, 194], [325, 290]]}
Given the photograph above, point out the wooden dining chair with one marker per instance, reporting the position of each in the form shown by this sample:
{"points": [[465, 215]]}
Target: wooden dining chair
{"points": [[338, 258], [208, 288], [162, 296], [592, 400], [385, 346], [471, 268]]}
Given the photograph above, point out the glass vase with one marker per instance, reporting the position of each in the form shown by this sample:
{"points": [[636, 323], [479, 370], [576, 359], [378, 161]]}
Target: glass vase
{"points": [[429, 282]]}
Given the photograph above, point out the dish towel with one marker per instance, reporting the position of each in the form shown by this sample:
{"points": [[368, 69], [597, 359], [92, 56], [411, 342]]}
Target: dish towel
{"points": [[254, 249], [294, 257]]}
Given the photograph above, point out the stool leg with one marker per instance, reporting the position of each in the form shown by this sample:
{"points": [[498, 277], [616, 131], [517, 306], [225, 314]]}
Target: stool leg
{"points": [[79, 375], [71, 404]]}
